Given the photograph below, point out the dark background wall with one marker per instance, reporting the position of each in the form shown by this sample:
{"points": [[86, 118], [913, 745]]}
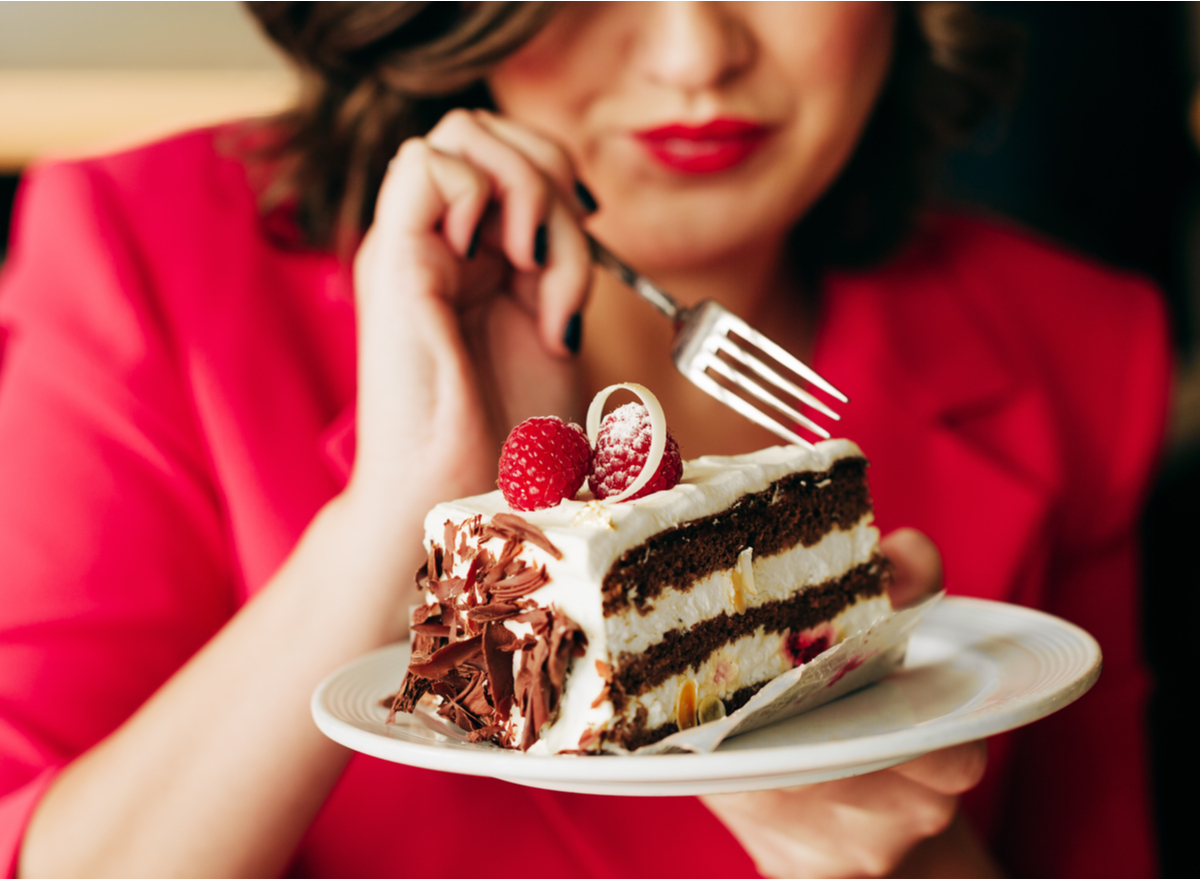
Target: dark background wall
{"points": [[1097, 154]]}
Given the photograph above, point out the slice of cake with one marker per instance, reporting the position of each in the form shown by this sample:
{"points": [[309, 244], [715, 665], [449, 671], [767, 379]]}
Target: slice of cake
{"points": [[588, 627]]}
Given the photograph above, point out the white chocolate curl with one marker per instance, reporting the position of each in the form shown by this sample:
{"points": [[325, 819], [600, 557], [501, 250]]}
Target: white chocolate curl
{"points": [[658, 434]]}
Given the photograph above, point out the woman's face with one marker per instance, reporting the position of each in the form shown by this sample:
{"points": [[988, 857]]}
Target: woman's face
{"points": [[704, 129]]}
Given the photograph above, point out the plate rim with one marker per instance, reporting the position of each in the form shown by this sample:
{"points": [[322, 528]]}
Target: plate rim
{"points": [[619, 771]]}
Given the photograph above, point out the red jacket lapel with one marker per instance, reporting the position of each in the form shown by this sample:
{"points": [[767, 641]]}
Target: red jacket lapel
{"points": [[961, 444]]}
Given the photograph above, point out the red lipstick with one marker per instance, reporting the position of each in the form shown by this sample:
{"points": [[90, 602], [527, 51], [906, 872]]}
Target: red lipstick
{"points": [[704, 149]]}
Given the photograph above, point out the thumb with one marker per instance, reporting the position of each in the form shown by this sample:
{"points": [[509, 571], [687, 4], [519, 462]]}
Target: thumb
{"points": [[916, 564]]}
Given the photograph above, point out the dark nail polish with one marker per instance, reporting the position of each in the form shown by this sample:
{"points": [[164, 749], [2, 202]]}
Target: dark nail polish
{"points": [[541, 245], [474, 245], [586, 200], [573, 335]]}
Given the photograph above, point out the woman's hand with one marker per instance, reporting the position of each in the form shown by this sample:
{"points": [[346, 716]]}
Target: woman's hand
{"points": [[867, 825], [465, 285]]}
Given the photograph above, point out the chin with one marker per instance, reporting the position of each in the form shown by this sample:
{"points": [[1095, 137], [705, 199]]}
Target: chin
{"points": [[681, 222], [659, 240]]}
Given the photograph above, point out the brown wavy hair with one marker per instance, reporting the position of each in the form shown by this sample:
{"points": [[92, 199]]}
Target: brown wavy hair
{"points": [[374, 74]]}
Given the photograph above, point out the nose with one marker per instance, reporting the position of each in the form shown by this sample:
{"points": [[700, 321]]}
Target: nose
{"points": [[693, 46]]}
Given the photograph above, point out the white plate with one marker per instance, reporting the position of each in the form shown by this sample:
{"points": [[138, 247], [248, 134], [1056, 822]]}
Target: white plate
{"points": [[974, 668]]}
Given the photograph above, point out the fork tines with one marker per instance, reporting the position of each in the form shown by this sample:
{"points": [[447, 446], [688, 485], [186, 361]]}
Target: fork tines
{"points": [[727, 358]]}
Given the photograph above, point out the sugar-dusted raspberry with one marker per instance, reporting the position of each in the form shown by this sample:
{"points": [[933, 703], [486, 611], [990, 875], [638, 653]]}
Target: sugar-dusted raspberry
{"points": [[622, 446], [543, 461]]}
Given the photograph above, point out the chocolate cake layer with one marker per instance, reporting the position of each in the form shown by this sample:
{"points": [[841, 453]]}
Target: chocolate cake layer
{"points": [[679, 650], [798, 509]]}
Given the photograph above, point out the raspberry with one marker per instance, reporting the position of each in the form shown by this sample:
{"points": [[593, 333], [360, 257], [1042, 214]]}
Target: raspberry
{"points": [[802, 647], [622, 447], [543, 461]]}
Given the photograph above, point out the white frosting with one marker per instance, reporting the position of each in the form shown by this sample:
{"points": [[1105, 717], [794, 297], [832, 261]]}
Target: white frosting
{"points": [[591, 538]]}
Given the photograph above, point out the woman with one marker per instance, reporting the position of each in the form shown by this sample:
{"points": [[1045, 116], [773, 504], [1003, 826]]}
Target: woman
{"points": [[209, 505]]}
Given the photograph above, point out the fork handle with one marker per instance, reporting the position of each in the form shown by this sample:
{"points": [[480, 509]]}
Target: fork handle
{"points": [[640, 284]]}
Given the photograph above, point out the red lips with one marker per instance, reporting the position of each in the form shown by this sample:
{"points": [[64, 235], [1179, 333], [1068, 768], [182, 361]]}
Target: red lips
{"points": [[704, 149]]}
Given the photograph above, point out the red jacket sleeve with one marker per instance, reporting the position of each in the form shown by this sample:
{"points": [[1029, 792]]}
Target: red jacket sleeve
{"points": [[115, 561], [1079, 796]]}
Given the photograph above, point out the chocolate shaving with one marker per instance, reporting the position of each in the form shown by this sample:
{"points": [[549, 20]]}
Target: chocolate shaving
{"points": [[448, 658], [526, 643], [475, 699], [445, 590], [602, 698], [437, 630], [606, 674], [422, 576], [488, 613], [449, 618], [411, 691], [538, 617], [529, 580], [589, 740], [433, 564], [532, 689], [466, 550], [487, 561], [499, 665], [424, 646], [492, 733], [508, 555], [543, 671], [454, 683], [456, 714], [451, 531], [479, 563], [507, 525]]}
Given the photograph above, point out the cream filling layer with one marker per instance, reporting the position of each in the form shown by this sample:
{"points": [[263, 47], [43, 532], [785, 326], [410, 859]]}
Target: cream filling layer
{"points": [[774, 578], [749, 660]]}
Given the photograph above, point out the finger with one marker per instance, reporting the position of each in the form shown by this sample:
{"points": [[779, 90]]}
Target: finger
{"points": [[916, 565], [949, 771], [522, 190], [557, 293], [565, 283], [850, 827], [552, 159], [425, 190], [558, 263]]}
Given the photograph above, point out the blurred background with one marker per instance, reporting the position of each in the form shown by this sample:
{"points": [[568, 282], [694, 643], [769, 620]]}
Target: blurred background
{"points": [[1100, 153], [88, 77]]}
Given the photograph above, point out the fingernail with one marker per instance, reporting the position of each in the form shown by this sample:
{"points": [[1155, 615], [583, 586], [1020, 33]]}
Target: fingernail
{"points": [[586, 200], [474, 245], [573, 335], [540, 245]]}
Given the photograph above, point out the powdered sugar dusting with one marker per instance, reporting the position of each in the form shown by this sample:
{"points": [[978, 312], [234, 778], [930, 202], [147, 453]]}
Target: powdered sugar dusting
{"points": [[629, 427], [658, 436]]}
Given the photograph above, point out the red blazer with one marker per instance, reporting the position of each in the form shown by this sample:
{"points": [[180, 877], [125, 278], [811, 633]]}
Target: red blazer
{"points": [[175, 402]]}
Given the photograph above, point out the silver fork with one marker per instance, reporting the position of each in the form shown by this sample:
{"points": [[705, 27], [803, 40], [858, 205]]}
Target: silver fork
{"points": [[706, 331]]}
